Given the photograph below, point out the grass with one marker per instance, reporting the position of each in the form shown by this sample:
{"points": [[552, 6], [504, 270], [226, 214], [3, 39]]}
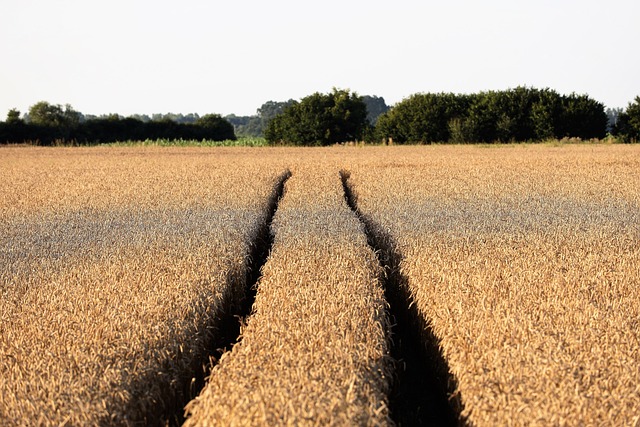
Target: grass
{"points": [[240, 142], [243, 141]]}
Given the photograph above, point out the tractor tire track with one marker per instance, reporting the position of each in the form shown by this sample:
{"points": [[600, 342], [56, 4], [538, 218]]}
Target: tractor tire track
{"points": [[423, 392]]}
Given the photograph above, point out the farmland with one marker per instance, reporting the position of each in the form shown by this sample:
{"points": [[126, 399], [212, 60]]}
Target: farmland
{"points": [[315, 351], [118, 267], [524, 263], [507, 275]]}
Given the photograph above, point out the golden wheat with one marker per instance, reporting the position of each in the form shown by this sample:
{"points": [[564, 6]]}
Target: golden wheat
{"points": [[314, 352], [525, 261], [117, 264]]}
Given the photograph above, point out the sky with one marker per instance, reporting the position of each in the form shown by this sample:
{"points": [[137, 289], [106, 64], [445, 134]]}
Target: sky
{"points": [[208, 56]]}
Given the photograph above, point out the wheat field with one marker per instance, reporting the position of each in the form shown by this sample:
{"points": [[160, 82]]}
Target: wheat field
{"points": [[525, 262], [518, 264], [116, 267], [315, 350]]}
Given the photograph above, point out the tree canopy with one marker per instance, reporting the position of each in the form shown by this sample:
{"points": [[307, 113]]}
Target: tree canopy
{"points": [[320, 119], [45, 114], [46, 123], [375, 107], [13, 116], [628, 124], [520, 114]]}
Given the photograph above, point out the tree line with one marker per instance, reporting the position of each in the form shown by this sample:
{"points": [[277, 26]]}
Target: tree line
{"points": [[520, 114], [256, 125], [513, 115], [47, 124]]}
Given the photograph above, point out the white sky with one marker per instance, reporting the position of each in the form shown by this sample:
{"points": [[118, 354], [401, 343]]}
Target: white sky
{"points": [[206, 56]]}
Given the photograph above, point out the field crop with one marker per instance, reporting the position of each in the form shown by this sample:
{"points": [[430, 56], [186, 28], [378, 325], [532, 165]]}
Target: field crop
{"points": [[506, 278], [117, 267], [314, 351], [524, 262]]}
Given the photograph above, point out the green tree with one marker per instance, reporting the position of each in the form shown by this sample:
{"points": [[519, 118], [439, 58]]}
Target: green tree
{"points": [[613, 114], [270, 110], [375, 107], [13, 116], [320, 119], [461, 130], [246, 125], [545, 113], [422, 118], [51, 122], [582, 117], [482, 117], [14, 128], [45, 114], [520, 114], [253, 127], [628, 124], [215, 127]]}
